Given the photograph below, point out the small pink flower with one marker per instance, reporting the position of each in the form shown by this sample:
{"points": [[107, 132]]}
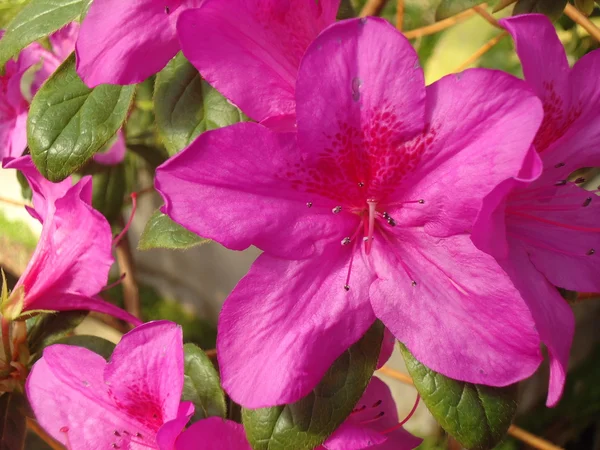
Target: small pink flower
{"points": [[364, 213], [124, 42], [250, 50], [133, 401], [71, 262], [543, 229]]}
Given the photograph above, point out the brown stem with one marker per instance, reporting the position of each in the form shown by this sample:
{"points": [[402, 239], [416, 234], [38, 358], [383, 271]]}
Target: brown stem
{"points": [[400, 15], [439, 26], [131, 293], [481, 51], [34, 426], [13, 202], [487, 16], [582, 20], [518, 433], [372, 8]]}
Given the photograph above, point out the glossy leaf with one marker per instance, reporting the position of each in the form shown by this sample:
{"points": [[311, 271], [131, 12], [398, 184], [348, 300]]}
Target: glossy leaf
{"points": [[68, 122], [186, 105], [13, 425], [308, 422], [96, 344], [110, 188], [46, 329], [37, 20], [162, 232], [551, 8], [202, 384], [449, 8], [477, 416]]}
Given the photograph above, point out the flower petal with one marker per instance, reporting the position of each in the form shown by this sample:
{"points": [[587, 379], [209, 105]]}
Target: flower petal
{"points": [[244, 195], [63, 40], [376, 401], [115, 154], [215, 434], [145, 372], [387, 348], [359, 87], [170, 431], [287, 321], [237, 44], [353, 437], [462, 317]]}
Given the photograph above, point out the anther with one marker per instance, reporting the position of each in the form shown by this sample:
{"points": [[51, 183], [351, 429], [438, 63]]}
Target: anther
{"points": [[385, 215], [167, 10], [346, 287], [361, 184], [365, 239], [64, 430], [138, 435], [580, 180], [587, 201], [560, 183], [337, 210], [391, 222], [421, 201], [116, 433], [309, 204], [590, 252], [346, 241], [559, 165], [414, 283], [376, 404], [113, 445]]}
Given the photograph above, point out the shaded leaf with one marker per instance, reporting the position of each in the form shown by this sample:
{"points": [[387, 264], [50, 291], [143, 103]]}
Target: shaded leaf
{"points": [[308, 422], [346, 10], [477, 416], [449, 8], [36, 20], [202, 385], [68, 122], [96, 344], [109, 188], [585, 6], [551, 8], [13, 425], [46, 329], [186, 105], [162, 232]]}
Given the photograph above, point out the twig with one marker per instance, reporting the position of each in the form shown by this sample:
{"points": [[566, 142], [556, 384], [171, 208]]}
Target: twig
{"points": [[372, 8], [487, 16], [400, 15], [49, 440], [481, 51], [518, 433], [582, 20], [211, 353], [439, 26], [13, 202], [131, 293]]}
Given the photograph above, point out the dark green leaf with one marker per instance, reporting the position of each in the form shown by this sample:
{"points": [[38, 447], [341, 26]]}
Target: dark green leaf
{"points": [[94, 343], [68, 122], [477, 416], [46, 329], [308, 422], [110, 187], [36, 20], [346, 10], [551, 8], [13, 425], [202, 385], [154, 156], [449, 8], [162, 232], [186, 105], [585, 6]]}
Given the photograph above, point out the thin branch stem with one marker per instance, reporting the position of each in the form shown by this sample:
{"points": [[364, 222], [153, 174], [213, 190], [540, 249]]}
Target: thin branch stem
{"points": [[487, 16], [441, 25], [13, 202], [372, 8], [400, 15], [518, 433], [481, 51], [582, 20], [34, 426], [131, 292]]}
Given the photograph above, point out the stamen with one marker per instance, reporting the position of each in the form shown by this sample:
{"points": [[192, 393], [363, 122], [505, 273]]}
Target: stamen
{"points": [[116, 283], [309, 204], [406, 419], [353, 238], [552, 222], [337, 210], [374, 419], [559, 165], [372, 210], [587, 201], [543, 246], [560, 183], [357, 410], [361, 184], [346, 241], [68, 442], [579, 180], [167, 10], [400, 260], [590, 252], [128, 224]]}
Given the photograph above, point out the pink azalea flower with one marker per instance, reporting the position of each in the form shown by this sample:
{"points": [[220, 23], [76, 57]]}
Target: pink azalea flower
{"points": [[364, 213], [124, 42], [213, 433], [71, 262], [131, 402], [250, 50], [545, 233]]}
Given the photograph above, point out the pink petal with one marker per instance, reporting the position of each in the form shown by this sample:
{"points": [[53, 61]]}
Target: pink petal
{"points": [[376, 399], [115, 154], [237, 44], [387, 348], [124, 42], [245, 195], [170, 431], [214, 433], [482, 123], [287, 321], [399, 439], [462, 318], [353, 437], [553, 317], [360, 88], [70, 399], [145, 373], [63, 40], [17, 137]]}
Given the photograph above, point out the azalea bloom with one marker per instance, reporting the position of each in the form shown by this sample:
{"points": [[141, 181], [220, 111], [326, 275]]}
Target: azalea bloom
{"points": [[124, 42], [131, 402], [213, 433], [71, 262], [254, 59], [545, 233], [363, 214]]}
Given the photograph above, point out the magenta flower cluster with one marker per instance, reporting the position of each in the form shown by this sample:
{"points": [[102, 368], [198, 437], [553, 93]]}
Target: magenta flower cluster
{"points": [[448, 212]]}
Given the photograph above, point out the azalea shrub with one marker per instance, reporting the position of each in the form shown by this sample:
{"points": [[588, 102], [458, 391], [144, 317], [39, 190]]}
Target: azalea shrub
{"points": [[451, 219]]}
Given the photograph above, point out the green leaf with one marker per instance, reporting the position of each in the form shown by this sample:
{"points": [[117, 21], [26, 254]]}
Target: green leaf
{"points": [[13, 421], [46, 329], [202, 385], [551, 8], [346, 10], [36, 20], [96, 344], [162, 232], [109, 190], [69, 122], [449, 8], [308, 422], [186, 105], [477, 416], [585, 6]]}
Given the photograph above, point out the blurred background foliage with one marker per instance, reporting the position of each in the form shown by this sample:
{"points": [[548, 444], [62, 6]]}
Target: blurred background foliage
{"points": [[574, 424]]}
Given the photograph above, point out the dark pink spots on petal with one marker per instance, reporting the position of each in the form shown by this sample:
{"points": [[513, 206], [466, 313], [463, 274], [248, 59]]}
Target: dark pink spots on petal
{"points": [[142, 407]]}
